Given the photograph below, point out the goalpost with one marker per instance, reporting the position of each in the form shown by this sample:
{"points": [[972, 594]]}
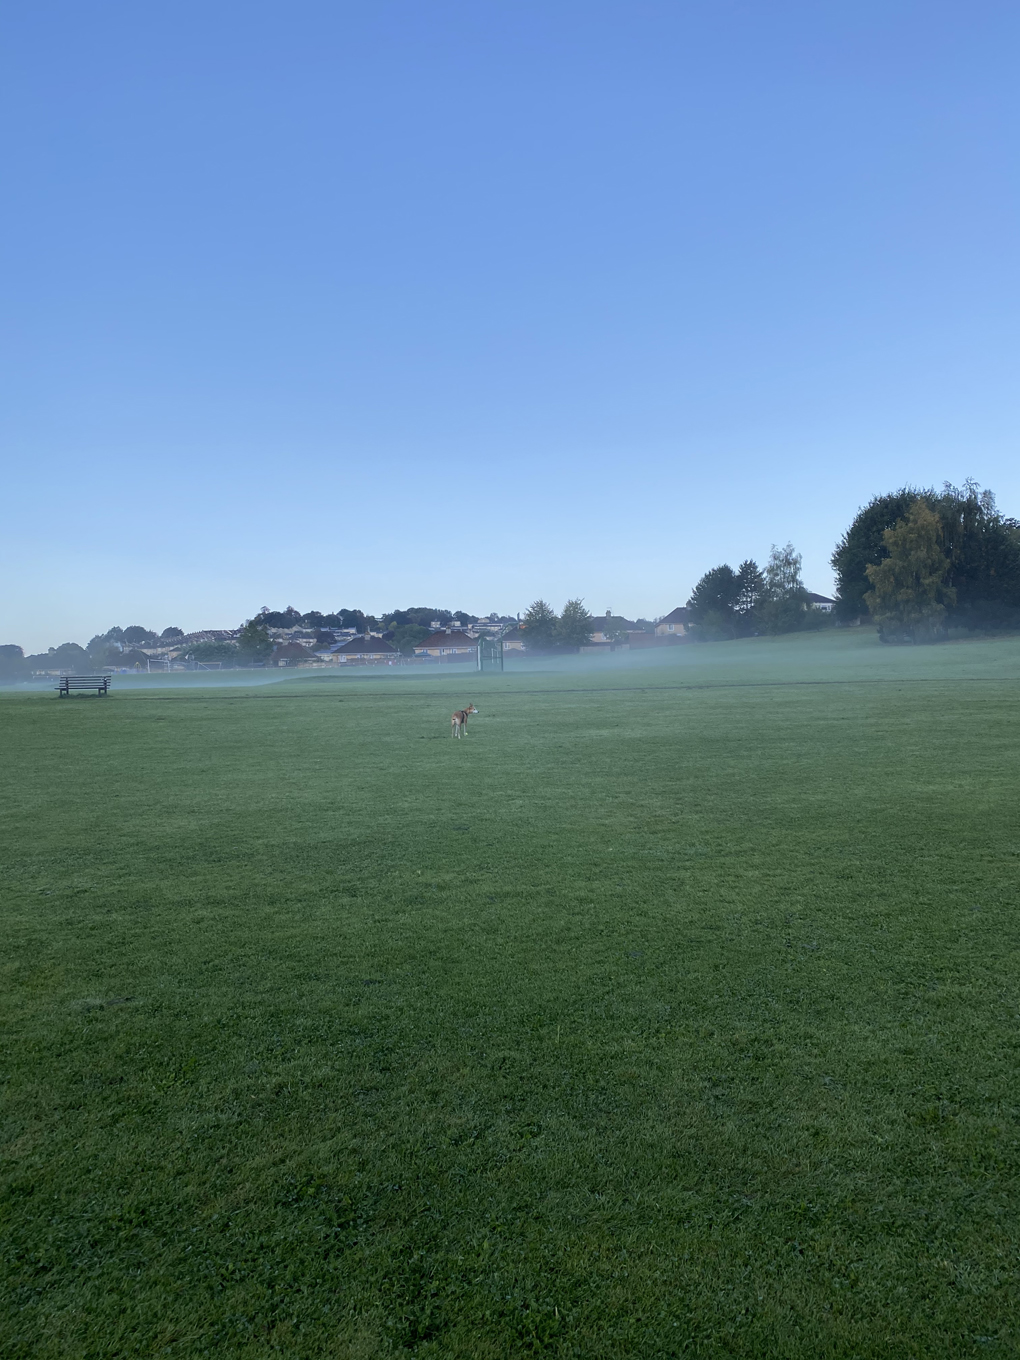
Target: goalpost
{"points": [[490, 654]]}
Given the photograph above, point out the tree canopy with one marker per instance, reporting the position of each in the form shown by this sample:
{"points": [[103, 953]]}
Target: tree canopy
{"points": [[909, 595], [981, 547], [281, 618], [715, 593], [724, 603], [539, 625], [419, 615], [863, 544], [407, 636], [574, 626], [785, 604], [67, 657], [350, 618], [13, 665], [750, 591], [253, 642]]}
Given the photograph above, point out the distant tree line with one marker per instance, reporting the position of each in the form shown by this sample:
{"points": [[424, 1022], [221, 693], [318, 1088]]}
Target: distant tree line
{"points": [[117, 647], [544, 631], [915, 562], [730, 604], [419, 615]]}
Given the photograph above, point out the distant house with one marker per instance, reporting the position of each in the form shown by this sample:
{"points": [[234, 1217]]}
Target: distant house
{"points": [[292, 634], [820, 602], [340, 636], [604, 633], [450, 644], [288, 653], [207, 635], [674, 624], [364, 650], [513, 641], [606, 630]]}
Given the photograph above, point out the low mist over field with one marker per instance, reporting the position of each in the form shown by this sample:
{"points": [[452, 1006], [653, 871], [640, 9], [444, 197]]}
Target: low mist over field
{"points": [[922, 565]]}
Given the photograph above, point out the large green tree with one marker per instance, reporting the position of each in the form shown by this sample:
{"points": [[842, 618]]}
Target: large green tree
{"points": [[784, 606], [862, 545], [574, 627], [724, 602], [981, 545], [106, 649], [407, 636], [750, 594], [713, 601], [539, 626], [716, 593], [138, 636], [983, 548], [910, 591], [254, 643]]}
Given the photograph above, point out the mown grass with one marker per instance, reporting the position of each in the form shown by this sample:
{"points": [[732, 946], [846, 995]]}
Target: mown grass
{"points": [[647, 1021]]}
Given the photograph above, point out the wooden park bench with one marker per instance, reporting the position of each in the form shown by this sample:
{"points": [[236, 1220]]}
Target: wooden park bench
{"points": [[100, 683]]}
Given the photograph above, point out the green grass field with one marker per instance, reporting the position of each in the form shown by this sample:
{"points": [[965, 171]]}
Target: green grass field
{"points": [[673, 1012]]}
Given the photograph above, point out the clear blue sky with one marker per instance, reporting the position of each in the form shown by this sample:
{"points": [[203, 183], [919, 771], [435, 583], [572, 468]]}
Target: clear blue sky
{"points": [[392, 303]]}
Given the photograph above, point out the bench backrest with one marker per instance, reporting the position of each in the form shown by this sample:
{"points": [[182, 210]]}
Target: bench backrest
{"points": [[84, 681]]}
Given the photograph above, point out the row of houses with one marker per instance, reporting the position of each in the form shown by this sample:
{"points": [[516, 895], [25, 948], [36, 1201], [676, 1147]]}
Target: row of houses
{"points": [[457, 644], [449, 644]]}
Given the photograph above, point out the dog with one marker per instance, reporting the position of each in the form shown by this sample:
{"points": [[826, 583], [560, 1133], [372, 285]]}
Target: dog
{"points": [[458, 723]]}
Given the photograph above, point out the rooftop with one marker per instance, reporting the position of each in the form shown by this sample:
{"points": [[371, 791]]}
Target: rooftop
{"points": [[454, 638], [360, 646]]}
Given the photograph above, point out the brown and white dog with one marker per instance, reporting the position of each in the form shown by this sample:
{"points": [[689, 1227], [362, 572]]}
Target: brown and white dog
{"points": [[459, 720]]}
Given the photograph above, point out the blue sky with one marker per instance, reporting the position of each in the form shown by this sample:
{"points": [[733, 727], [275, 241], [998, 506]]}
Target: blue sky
{"points": [[383, 304]]}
